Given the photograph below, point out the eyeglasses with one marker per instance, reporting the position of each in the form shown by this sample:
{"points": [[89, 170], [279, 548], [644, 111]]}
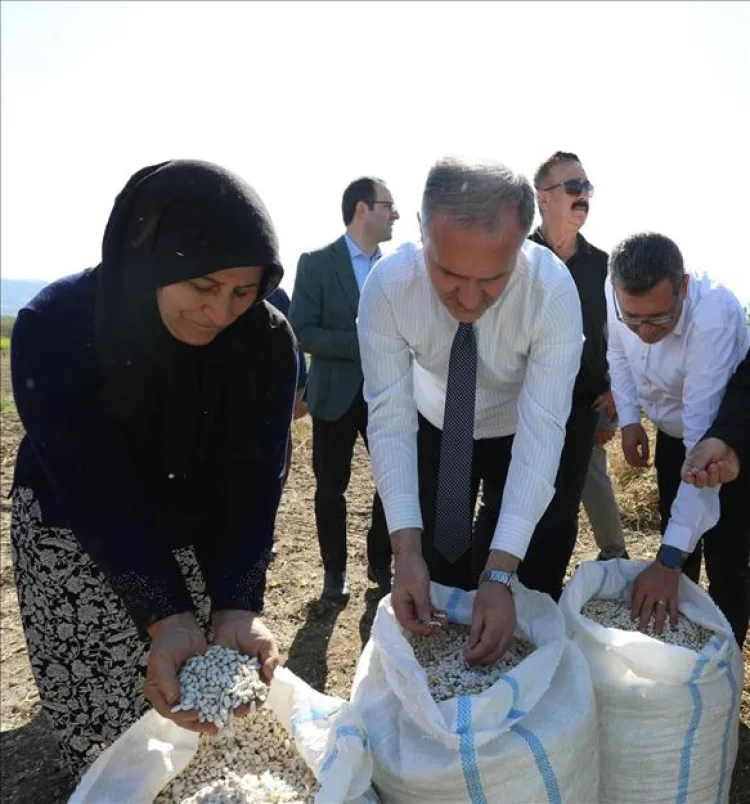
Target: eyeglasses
{"points": [[574, 187], [634, 322]]}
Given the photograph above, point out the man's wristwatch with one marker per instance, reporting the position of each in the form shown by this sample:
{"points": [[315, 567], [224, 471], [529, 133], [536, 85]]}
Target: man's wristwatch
{"points": [[671, 557], [498, 576]]}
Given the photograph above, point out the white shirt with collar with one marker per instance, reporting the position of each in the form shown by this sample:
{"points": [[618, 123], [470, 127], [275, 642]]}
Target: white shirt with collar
{"points": [[679, 383], [529, 351]]}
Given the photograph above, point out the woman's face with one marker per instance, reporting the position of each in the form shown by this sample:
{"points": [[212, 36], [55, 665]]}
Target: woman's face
{"points": [[197, 310]]}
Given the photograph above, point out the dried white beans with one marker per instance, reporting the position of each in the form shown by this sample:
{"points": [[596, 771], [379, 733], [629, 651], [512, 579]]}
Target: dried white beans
{"points": [[448, 675], [615, 613]]}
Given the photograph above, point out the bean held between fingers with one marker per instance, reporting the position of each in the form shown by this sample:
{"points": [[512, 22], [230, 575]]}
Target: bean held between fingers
{"points": [[439, 620]]}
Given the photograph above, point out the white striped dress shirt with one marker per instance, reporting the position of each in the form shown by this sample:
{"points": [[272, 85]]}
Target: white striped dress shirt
{"points": [[679, 383], [529, 351]]}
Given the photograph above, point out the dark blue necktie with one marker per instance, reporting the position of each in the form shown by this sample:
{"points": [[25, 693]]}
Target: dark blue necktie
{"points": [[453, 514]]}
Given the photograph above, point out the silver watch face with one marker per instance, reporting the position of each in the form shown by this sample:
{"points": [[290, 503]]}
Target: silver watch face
{"points": [[497, 576]]}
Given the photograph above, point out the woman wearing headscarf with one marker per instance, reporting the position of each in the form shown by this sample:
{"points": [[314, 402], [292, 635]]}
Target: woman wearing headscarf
{"points": [[156, 391]]}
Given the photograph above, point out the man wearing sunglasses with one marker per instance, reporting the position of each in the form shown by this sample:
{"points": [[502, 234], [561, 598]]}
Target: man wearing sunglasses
{"points": [[563, 195], [675, 340], [563, 192], [323, 314]]}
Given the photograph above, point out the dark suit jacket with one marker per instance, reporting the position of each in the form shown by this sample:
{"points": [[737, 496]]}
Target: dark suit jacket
{"points": [[323, 315], [732, 423]]}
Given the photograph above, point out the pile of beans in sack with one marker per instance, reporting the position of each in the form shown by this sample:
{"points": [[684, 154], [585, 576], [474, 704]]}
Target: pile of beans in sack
{"points": [[252, 759], [293, 746]]}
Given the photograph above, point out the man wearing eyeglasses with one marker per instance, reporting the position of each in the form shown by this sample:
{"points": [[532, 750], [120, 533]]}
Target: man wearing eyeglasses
{"points": [[674, 341], [563, 192], [323, 315]]}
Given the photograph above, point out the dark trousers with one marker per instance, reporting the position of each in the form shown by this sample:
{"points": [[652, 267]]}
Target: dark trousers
{"points": [[726, 547], [554, 538], [333, 448]]}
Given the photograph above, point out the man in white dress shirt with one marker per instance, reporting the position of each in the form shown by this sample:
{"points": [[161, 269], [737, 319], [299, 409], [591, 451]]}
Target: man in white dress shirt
{"points": [[470, 347], [674, 341]]}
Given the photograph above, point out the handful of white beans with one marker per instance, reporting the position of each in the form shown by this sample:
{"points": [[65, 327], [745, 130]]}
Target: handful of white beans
{"points": [[217, 682]]}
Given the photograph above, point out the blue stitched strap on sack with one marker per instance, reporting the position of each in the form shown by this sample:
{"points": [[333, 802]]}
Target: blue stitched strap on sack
{"points": [[453, 602], [516, 692], [306, 716], [467, 752], [695, 719], [542, 763], [342, 732], [731, 721]]}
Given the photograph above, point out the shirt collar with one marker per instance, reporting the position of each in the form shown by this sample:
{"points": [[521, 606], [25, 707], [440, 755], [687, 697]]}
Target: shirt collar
{"points": [[356, 251], [582, 245]]}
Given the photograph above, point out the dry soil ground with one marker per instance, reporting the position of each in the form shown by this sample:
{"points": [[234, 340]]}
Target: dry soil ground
{"points": [[321, 641]]}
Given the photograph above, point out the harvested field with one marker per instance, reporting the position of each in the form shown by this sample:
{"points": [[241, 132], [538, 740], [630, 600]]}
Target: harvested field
{"points": [[321, 641]]}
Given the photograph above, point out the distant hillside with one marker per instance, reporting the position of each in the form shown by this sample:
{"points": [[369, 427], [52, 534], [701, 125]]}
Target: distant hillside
{"points": [[15, 293]]}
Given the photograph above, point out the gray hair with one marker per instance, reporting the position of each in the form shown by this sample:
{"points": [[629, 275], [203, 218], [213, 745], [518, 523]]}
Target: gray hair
{"points": [[640, 262], [477, 194]]}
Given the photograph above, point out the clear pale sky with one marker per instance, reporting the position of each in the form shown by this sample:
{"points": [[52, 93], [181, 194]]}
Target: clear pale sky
{"points": [[300, 98]]}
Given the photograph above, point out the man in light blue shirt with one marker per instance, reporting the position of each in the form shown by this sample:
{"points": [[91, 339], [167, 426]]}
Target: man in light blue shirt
{"points": [[324, 317], [362, 262]]}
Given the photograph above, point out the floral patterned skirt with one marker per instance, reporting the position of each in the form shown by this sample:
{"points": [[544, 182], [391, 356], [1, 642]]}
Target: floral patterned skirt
{"points": [[88, 659]]}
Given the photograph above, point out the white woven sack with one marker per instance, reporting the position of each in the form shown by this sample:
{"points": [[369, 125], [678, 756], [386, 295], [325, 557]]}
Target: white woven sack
{"points": [[531, 737], [327, 732], [668, 716]]}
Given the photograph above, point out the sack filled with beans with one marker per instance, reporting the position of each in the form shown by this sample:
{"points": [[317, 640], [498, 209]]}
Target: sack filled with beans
{"points": [[668, 704], [294, 746], [521, 731]]}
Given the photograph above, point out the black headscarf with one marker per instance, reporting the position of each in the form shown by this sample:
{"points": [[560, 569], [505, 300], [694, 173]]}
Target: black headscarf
{"points": [[187, 410]]}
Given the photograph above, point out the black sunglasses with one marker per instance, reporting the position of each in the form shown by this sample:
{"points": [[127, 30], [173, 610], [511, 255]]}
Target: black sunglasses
{"points": [[574, 187]]}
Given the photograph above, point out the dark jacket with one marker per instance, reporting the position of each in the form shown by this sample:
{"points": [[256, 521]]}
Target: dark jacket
{"points": [[588, 267], [732, 424], [323, 315], [87, 476]]}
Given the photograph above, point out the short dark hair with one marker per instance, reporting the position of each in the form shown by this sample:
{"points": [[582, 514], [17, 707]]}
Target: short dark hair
{"points": [[557, 158], [362, 189], [640, 262]]}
